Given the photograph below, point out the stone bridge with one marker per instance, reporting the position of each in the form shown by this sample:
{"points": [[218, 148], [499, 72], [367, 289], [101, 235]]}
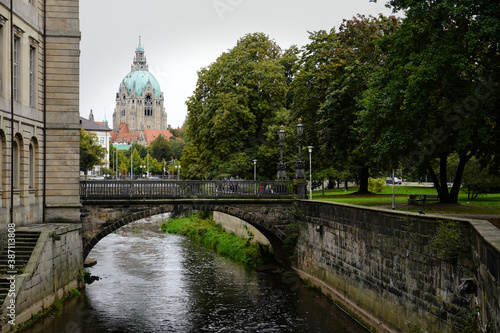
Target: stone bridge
{"points": [[109, 205]]}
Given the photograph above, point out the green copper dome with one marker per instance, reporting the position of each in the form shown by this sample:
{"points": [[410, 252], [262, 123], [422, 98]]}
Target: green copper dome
{"points": [[137, 80]]}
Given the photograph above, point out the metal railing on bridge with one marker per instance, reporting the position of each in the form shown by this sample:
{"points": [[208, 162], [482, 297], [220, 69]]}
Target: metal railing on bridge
{"points": [[158, 189]]}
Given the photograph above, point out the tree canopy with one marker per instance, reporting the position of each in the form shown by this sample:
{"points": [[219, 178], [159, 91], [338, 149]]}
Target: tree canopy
{"points": [[236, 99], [436, 93], [91, 152], [375, 94]]}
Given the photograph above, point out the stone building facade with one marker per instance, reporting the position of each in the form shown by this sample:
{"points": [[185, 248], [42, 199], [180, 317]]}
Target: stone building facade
{"points": [[39, 112], [139, 100]]}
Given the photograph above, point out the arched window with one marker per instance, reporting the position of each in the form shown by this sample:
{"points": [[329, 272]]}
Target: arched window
{"points": [[148, 106], [32, 160], [16, 163]]}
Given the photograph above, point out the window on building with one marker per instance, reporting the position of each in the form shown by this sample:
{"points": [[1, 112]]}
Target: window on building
{"points": [[32, 76], [16, 69], [2, 47], [17, 164], [123, 113], [2, 158], [102, 140], [148, 106], [32, 165]]}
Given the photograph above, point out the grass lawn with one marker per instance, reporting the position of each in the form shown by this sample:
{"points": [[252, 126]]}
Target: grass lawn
{"points": [[485, 204]]}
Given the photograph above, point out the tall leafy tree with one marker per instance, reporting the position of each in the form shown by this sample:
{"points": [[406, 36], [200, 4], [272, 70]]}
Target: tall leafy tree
{"points": [[235, 100], [438, 93], [357, 57], [91, 152], [335, 67]]}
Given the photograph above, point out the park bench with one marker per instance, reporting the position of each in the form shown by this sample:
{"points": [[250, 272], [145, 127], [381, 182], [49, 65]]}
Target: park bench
{"points": [[417, 199]]}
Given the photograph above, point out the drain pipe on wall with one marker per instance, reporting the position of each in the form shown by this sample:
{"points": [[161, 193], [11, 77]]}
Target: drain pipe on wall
{"points": [[44, 194], [11, 111]]}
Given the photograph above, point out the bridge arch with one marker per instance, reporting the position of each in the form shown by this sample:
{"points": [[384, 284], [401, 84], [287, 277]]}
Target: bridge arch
{"points": [[271, 219]]}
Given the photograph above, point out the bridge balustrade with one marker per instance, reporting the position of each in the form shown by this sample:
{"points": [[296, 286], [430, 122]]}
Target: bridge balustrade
{"points": [[158, 189]]}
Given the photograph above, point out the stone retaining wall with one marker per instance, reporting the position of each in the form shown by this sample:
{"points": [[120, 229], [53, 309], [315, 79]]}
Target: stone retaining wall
{"points": [[51, 272], [382, 264], [240, 228]]}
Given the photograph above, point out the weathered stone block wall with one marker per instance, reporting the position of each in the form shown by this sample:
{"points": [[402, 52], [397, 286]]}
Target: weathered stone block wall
{"points": [[240, 228], [486, 258], [62, 110], [51, 272], [380, 262]]}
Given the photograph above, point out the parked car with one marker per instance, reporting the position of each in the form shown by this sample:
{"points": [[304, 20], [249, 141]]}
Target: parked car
{"points": [[397, 181]]}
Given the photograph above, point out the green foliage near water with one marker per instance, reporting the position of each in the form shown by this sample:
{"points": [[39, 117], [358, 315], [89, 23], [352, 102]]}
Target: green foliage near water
{"points": [[212, 235], [466, 320]]}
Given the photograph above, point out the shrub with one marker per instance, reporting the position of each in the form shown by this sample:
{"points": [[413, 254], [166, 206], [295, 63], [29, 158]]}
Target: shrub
{"points": [[449, 241], [376, 185]]}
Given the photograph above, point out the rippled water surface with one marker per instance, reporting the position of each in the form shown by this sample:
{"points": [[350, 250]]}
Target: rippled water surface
{"points": [[153, 282]]}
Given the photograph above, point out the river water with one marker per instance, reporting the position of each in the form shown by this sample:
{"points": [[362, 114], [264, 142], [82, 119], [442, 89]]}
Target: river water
{"points": [[154, 282]]}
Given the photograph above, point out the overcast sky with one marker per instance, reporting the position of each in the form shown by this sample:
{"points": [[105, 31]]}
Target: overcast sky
{"points": [[180, 37]]}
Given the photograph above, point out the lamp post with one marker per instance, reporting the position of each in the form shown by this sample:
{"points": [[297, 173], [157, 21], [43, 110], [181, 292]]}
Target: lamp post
{"points": [[299, 164], [254, 169], [178, 167], [116, 163], [131, 163], [281, 174], [310, 148], [148, 164], [393, 197], [300, 175]]}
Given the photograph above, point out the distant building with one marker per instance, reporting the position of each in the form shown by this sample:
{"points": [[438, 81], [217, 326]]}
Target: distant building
{"points": [[139, 105], [102, 131]]}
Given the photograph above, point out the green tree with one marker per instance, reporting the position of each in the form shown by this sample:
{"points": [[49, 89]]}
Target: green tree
{"points": [[437, 94], [477, 178], [161, 149], [357, 57], [335, 67], [235, 100], [91, 152]]}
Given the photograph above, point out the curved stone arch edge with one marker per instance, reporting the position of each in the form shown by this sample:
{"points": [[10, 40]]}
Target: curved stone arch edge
{"points": [[275, 241]]}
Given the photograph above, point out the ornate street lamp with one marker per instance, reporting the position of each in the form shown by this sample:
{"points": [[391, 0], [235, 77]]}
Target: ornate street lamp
{"points": [[310, 148], [148, 165], [281, 166], [254, 169], [178, 167], [300, 167]]}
